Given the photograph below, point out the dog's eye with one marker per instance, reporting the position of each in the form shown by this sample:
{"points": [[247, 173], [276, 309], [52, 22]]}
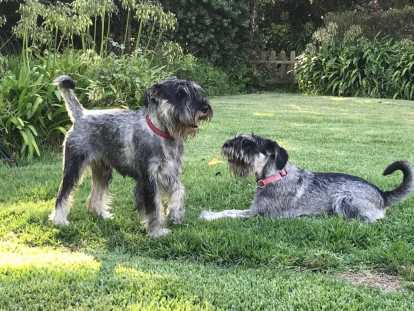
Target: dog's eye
{"points": [[182, 92]]}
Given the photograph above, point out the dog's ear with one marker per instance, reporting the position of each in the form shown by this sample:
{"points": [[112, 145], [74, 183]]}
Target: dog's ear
{"points": [[152, 93], [281, 158], [268, 147], [156, 90], [149, 94]]}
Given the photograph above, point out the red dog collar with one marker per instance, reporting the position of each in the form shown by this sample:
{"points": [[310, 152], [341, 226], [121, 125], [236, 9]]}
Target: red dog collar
{"points": [[261, 183], [156, 130]]}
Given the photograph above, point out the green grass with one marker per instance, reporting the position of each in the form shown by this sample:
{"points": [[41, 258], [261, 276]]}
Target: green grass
{"points": [[230, 264]]}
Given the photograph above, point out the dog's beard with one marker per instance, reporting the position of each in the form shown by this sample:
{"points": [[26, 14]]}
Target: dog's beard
{"points": [[240, 163], [240, 168], [183, 123]]}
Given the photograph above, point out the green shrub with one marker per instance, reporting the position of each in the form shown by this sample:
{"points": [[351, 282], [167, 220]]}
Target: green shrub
{"points": [[30, 112], [402, 77], [394, 23], [213, 79], [356, 66], [215, 30]]}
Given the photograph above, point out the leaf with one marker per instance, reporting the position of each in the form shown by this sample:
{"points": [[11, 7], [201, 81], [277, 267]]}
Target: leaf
{"points": [[214, 162], [61, 129], [264, 114], [36, 105], [32, 129]]}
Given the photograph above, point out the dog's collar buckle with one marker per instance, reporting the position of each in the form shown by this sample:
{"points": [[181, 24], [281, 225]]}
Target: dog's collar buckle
{"points": [[156, 130], [261, 183]]}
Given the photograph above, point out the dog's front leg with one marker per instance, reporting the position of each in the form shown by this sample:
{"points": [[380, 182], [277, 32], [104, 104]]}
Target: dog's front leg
{"points": [[176, 205], [148, 197]]}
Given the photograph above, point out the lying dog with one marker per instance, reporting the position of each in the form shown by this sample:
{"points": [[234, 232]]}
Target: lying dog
{"points": [[146, 145], [285, 190]]}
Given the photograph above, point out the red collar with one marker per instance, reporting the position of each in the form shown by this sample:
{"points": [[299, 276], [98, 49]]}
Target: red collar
{"points": [[156, 130], [261, 183]]}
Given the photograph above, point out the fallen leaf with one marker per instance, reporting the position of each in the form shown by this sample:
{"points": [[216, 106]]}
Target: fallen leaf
{"points": [[214, 161], [264, 114]]}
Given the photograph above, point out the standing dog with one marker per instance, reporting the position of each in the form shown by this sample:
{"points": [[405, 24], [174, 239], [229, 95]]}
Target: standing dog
{"points": [[146, 145], [285, 190]]}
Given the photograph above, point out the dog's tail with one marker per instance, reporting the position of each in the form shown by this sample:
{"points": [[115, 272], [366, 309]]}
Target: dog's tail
{"points": [[66, 86], [407, 185]]}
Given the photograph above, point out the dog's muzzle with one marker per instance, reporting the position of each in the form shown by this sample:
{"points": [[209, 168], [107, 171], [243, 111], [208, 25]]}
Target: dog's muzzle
{"points": [[205, 114]]}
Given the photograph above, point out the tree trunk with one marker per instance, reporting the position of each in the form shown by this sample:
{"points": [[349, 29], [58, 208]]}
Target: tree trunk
{"points": [[253, 21]]}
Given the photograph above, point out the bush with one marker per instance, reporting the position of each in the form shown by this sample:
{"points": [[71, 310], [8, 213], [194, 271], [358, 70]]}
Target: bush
{"points": [[356, 66], [30, 113], [213, 79], [394, 23], [215, 30]]}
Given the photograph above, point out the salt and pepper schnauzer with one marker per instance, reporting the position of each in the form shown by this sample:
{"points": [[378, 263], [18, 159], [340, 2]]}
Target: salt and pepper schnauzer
{"points": [[285, 190], [146, 145]]}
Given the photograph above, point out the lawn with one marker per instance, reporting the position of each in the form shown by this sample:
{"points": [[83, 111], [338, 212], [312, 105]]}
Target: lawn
{"points": [[255, 264]]}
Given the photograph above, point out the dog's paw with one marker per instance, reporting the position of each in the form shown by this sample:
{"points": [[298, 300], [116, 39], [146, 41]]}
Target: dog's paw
{"points": [[106, 215], [155, 234], [176, 218], [58, 221], [207, 215]]}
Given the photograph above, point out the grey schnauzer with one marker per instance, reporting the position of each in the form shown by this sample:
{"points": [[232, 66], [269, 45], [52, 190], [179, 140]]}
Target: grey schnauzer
{"points": [[286, 191], [146, 145]]}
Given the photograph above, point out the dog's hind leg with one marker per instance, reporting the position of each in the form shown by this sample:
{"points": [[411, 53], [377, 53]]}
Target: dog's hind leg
{"points": [[99, 198], [233, 213], [358, 208], [74, 164]]}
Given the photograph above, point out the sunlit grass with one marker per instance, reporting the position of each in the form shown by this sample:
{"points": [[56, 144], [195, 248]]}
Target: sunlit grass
{"points": [[14, 256]]}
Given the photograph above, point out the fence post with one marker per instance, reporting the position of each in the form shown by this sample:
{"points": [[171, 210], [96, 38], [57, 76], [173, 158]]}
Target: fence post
{"points": [[279, 64]]}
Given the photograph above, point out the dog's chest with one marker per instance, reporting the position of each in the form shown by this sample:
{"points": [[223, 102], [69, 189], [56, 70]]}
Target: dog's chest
{"points": [[168, 167]]}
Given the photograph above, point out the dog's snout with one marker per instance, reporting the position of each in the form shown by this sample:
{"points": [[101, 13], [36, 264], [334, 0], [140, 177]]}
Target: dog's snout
{"points": [[205, 112]]}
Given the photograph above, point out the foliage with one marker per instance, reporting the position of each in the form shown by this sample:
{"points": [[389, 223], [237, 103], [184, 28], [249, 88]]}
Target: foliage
{"points": [[216, 30], [30, 113], [2, 20], [89, 21], [356, 66], [393, 23], [284, 25], [283, 36]]}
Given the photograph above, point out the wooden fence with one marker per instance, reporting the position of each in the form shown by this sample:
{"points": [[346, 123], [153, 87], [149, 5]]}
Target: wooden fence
{"points": [[276, 65]]}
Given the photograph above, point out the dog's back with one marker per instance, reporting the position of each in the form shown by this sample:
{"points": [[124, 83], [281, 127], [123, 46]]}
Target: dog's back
{"points": [[307, 193]]}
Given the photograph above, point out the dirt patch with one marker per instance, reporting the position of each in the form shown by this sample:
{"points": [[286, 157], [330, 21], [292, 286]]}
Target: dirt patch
{"points": [[383, 281]]}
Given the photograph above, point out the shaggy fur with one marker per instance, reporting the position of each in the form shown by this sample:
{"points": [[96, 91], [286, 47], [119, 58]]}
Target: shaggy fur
{"points": [[122, 139], [302, 192]]}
